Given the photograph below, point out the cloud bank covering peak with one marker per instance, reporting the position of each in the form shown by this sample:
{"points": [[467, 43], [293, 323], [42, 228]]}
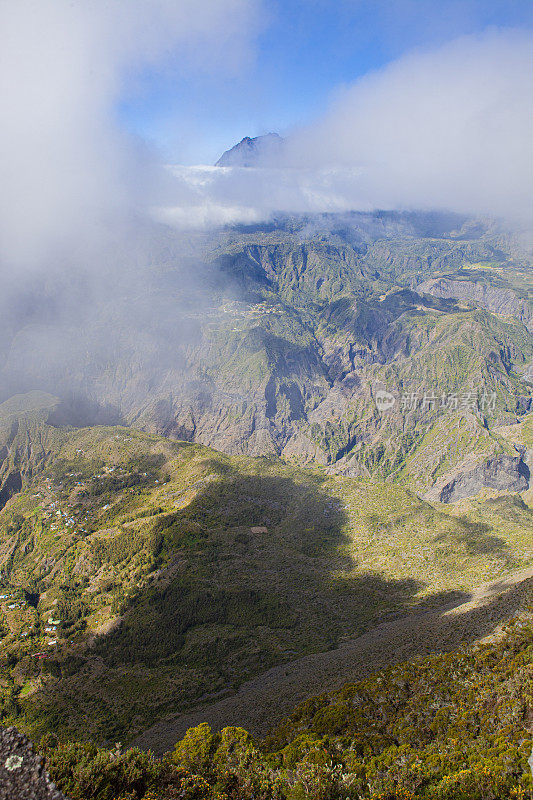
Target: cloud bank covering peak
{"points": [[449, 128]]}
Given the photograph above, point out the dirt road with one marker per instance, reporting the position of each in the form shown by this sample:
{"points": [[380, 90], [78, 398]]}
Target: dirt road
{"points": [[263, 701]]}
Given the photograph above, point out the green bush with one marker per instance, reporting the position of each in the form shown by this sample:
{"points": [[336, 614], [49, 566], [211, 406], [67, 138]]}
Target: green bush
{"points": [[196, 749], [86, 772]]}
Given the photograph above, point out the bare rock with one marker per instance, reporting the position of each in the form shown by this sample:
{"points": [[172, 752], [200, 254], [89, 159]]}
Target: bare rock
{"points": [[22, 773], [504, 473]]}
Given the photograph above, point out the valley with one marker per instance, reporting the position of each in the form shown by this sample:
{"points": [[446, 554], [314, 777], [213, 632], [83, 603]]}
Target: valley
{"points": [[289, 332], [324, 473], [266, 400]]}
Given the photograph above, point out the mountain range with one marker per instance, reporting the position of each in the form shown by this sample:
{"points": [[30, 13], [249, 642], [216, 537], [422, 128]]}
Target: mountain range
{"points": [[269, 442], [290, 333]]}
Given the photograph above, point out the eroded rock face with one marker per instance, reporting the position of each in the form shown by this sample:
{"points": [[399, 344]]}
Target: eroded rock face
{"points": [[504, 473], [498, 300], [22, 773], [280, 347]]}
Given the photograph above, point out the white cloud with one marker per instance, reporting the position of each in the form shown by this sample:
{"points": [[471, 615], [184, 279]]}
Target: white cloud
{"points": [[65, 164], [203, 196], [449, 128]]}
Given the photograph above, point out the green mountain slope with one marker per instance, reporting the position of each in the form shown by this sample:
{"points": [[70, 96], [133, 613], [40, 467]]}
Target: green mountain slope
{"points": [[192, 494], [455, 726], [152, 573]]}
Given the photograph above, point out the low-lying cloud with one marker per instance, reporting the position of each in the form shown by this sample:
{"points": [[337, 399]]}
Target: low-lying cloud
{"points": [[77, 243], [68, 169], [450, 128]]}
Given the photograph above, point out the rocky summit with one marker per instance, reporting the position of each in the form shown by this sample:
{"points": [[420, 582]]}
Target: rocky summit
{"points": [[257, 152]]}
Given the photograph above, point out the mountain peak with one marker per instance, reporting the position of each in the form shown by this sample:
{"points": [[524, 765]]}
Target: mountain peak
{"points": [[252, 152]]}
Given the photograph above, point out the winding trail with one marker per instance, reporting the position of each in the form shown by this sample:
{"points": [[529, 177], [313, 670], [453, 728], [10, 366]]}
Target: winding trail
{"points": [[262, 702]]}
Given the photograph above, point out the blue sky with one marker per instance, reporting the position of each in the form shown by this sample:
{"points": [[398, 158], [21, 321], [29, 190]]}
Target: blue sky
{"points": [[306, 51]]}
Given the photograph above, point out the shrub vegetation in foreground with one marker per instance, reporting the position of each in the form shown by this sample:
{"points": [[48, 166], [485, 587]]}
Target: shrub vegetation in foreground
{"points": [[455, 726]]}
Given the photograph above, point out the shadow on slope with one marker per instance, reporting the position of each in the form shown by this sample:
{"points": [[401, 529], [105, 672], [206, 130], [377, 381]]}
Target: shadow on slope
{"points": [[479, 539], [264, 702], [262, 555], [254, 571]]}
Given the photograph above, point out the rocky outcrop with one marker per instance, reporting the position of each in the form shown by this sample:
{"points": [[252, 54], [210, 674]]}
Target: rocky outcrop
{"points": [[22, 772], [504, 473]]}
